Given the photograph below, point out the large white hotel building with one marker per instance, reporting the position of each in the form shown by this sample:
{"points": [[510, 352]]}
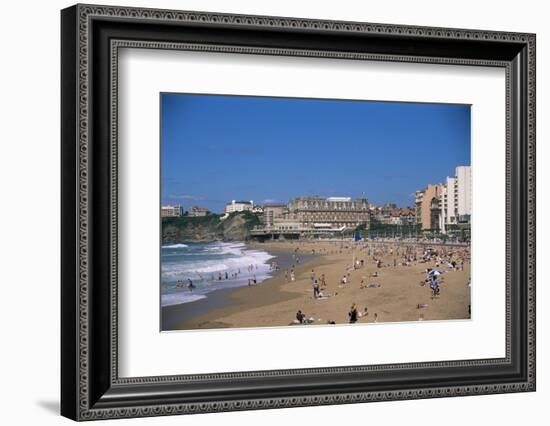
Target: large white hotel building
{"points": [[444, 206], [456, 199]]}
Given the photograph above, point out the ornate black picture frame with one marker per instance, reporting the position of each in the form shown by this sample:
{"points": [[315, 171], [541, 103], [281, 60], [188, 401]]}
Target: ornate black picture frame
{"points": [[91, 37]]}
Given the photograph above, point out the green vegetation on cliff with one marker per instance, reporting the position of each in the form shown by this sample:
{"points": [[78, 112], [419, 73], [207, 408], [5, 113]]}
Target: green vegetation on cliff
{"points": [[189, 221], [208, 228], [250, 219]]}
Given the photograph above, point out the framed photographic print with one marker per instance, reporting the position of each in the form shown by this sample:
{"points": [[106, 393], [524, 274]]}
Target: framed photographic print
{"points": [[322, 257], [263, 212]]}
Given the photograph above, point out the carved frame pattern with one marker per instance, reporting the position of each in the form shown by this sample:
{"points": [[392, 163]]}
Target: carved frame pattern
{"points": [[85, 13]]}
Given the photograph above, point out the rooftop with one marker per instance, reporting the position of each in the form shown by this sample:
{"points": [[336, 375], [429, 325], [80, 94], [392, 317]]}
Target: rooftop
{"points": [[239, 202], [333, 199]]}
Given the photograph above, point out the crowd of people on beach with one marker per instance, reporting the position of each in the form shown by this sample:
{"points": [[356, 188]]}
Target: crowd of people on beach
{"points": [[368, 266], [439, 260]]}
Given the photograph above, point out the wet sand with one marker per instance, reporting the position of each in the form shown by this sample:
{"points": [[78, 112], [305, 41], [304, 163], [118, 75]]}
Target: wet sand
{"points": [[398, 295], [176, 317]]}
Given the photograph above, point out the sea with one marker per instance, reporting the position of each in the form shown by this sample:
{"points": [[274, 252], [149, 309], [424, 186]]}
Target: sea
{"points": [[210, 266]]}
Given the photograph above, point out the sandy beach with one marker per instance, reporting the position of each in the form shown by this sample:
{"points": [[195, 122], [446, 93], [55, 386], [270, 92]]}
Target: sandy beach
{"points": [[385, 281]]}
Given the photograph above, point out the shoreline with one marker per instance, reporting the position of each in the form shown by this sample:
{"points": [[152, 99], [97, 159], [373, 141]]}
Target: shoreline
{"points": [[185, 316], [394, 296]]}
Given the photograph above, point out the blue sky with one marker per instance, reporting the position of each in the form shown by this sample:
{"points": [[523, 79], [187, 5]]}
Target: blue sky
{"points": [[218, 148]]}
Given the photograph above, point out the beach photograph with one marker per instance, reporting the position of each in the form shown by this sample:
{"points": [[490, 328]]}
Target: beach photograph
{"points": [[297, 212]]}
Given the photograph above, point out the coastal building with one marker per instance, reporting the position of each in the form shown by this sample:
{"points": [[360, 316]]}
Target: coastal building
{"points": [[464, 191], [447, 206], [402, 217], [198, 211], [257, 209], [427, 204], [407, 216], [238, 206], [283, 224], [456, 200], [386, 214], [273, 212], [394, 218], [171, 211], [387, 209], [309, 216], [335, 212], [375, 213], [435, 212]]}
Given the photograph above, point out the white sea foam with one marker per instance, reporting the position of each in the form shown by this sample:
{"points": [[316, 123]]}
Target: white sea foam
{"points": [[230, 257], [174, 246], [204, 263], [227, 248]]}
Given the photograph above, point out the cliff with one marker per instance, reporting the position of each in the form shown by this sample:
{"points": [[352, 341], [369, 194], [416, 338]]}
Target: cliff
{"points": [[208, 228]]}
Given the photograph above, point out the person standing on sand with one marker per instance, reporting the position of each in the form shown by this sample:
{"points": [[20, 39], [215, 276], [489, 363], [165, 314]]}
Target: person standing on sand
{"points": [[353, 314], [315, 289]]}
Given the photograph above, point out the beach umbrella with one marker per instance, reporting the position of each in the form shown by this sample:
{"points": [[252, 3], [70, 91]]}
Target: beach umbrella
{"points": [[434, 272]]}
